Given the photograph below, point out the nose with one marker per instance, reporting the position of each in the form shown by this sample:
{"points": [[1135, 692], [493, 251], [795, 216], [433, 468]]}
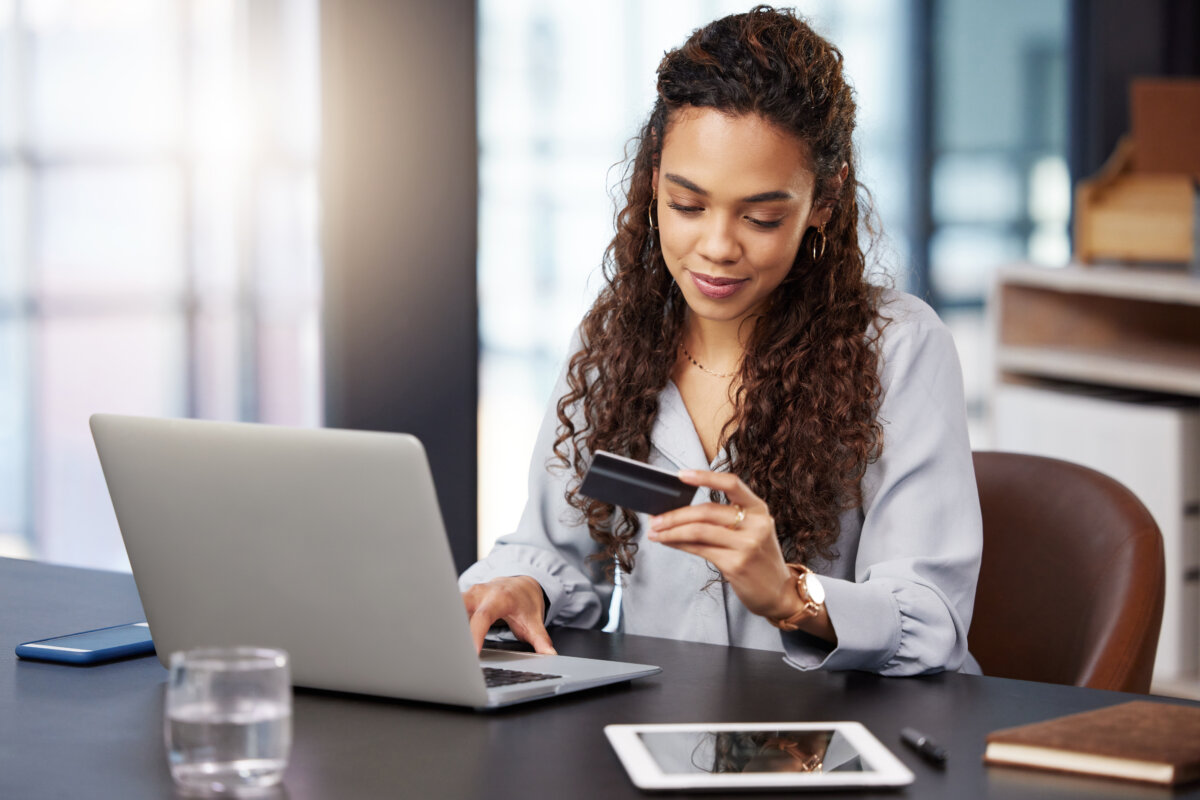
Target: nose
{"points": [[718, 242]]}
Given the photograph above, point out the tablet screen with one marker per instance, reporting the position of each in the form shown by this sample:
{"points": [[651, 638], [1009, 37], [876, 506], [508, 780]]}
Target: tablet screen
{"points": [[759, 751], [755, 755]]}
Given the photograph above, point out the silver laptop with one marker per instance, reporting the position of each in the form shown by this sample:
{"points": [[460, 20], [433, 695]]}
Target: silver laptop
{"points": [[326, 543]]}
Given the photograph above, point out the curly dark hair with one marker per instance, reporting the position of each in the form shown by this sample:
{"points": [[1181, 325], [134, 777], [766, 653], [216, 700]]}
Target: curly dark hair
{"points": [[804, 424]]}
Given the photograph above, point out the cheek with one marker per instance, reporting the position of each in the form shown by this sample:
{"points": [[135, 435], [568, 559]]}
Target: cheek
{"points": [[670, 227], [674, 243], [775, 259]]}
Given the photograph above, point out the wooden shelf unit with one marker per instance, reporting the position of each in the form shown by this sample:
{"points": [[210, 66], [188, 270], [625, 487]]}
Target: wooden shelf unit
{"points": [[1100, 365], [1135, 328]]}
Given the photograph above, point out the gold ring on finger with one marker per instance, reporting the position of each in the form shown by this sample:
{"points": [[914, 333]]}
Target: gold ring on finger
{"points": [[741, 515]]}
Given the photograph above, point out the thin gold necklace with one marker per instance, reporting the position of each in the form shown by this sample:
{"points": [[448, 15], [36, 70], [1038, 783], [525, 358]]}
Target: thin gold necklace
{"points": [[704, 368]]}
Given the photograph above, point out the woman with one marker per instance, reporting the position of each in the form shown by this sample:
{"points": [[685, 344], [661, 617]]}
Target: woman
{"points": [[738, 341]]}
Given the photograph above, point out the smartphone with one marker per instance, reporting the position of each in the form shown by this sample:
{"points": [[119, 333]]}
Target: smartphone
{"points": [[632, 484], [92, 647]]}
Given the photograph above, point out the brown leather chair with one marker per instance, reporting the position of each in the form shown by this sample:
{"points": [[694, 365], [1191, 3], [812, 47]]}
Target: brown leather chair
{"points": [[1071, 584]]}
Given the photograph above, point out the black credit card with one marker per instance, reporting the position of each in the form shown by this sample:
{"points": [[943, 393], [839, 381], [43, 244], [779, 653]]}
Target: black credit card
{"points": [[634, 485]]}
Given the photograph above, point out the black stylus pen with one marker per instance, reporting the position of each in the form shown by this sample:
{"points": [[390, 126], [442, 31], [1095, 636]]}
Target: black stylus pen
{"points": [[929, 750]]}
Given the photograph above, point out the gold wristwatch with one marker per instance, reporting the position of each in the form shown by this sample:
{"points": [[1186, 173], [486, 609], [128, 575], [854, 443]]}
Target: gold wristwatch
{"points": [[812, 597]]}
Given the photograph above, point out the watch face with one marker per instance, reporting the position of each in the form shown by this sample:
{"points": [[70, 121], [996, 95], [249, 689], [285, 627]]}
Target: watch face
{"points": [[816, 592]]}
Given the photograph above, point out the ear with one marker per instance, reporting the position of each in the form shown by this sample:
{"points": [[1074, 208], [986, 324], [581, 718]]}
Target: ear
{"points": [[820, 215], [654, 180]]}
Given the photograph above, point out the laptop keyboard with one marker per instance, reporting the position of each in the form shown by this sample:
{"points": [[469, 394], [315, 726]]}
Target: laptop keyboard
{"points": [[494, 676]]}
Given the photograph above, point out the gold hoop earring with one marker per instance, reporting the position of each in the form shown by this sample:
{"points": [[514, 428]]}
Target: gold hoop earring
{"points": [[818, 243], [650, 212]]}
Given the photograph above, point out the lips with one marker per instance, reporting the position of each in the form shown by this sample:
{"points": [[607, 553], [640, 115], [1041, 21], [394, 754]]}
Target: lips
{"points": [[714, 287]]}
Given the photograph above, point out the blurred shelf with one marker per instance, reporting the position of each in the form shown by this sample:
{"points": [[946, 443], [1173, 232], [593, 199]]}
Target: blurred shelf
{"points": [[1162, 370], [1132, 327], [1158, 284]]}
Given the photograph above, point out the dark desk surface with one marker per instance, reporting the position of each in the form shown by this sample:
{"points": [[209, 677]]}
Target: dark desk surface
{"points": [[96, 732]]}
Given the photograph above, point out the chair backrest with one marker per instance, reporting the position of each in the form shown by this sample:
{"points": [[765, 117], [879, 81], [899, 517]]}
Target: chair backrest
{"points": [[1072, 579]]}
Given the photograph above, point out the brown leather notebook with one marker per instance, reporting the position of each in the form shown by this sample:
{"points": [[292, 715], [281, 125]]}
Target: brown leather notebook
{"points": [[1137, 741]]}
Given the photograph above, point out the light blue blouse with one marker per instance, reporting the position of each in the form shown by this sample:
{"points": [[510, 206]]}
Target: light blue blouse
{"points": [[902, 585]]}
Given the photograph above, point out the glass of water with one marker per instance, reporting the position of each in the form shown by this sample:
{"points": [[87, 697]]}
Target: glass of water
{"points": [[228, 720]]}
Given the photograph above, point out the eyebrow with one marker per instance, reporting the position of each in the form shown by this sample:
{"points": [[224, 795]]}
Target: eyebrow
{"points": [[761, 197]]}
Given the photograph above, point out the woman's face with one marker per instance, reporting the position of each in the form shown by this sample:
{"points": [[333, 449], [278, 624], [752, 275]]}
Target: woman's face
{"points": [[734, 200]]}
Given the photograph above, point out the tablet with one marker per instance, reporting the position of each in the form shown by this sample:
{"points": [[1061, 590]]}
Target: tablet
{"points": [[756, 755]]}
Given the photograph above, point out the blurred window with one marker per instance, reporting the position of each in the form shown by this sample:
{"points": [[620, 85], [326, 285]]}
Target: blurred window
{"points": [[158, 238], [999, 189]]}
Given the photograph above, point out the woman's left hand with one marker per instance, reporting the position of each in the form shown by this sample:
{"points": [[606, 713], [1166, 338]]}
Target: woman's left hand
{"points": [[745, 550]]}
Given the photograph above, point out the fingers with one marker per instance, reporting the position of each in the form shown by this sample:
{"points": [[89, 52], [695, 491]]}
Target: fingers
{"points": [[515, 600], [729, 517], [734, 564], [742, 544], [481, 622], [699, 532], [534, 632], [482, 612], [731, 485]]}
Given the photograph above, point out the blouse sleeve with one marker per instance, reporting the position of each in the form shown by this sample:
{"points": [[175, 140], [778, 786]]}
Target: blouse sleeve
{"points": [[908, 608], [550, 544]]}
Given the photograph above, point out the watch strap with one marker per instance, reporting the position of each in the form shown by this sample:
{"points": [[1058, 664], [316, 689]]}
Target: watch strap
{"points": [[809, 608]]}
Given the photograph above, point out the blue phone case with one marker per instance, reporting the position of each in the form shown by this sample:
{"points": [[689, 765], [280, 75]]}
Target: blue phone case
{"points": [[92, 647]]}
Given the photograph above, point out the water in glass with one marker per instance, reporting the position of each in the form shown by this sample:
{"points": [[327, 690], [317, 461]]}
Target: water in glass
{"points": [[246, 746], [228, 720]]}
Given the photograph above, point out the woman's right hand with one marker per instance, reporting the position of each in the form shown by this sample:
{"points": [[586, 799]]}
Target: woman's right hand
{"points": [[518, 601]]}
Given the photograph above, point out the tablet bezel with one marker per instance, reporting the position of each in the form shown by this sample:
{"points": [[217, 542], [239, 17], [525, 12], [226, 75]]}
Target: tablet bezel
{"points": [[885, 768]]}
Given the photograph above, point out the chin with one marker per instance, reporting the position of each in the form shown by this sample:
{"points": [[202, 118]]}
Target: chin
{"points": [[715, 310]]}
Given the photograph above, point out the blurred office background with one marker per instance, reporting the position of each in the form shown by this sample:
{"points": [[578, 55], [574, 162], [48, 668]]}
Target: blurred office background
{"points": [[158, 238], [962, 143], [390, 214]]}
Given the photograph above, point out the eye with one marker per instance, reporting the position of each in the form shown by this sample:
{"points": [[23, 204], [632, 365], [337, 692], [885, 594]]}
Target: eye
{"points": [[766, 224], [684, 209]]}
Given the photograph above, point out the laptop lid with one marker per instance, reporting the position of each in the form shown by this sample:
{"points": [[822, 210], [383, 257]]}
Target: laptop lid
{"points": [[326, 543]]}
